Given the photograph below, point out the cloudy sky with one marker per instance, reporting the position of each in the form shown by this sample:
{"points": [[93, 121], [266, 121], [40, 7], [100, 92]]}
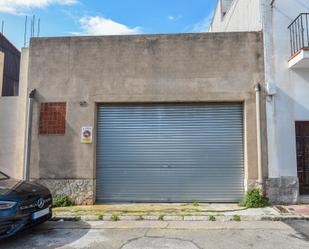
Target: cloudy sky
{"points": [[105, 17]]}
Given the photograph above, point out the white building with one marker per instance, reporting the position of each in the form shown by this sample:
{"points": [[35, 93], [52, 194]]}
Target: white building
{"points": [[286, 49]]}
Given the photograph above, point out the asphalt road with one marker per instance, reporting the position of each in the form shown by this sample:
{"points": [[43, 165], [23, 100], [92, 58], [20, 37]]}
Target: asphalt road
{"points": [[163, 235]]}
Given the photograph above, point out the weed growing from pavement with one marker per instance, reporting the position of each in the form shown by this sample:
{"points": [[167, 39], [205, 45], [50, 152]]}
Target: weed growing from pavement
{"points": [[253, 199], [62, 201], [195, 204], [77, 218], [115, 217], [275, 219], [236, 218], [211, 218]]}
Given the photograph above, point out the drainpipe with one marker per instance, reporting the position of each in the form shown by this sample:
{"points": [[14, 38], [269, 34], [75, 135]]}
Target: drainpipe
{"points": [[258, 133], [28, 136]]}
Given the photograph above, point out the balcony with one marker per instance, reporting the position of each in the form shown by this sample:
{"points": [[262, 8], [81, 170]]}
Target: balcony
{"points": [[299, 39]]}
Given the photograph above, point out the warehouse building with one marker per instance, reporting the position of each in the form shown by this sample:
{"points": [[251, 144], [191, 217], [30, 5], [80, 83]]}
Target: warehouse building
{"points": [[147, 118]]}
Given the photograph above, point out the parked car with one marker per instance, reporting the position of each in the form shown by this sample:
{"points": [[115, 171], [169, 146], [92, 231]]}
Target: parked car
{"points": [[22, 204]]}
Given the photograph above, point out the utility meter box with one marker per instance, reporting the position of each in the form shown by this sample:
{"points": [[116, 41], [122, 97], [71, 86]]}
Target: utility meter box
{"points": [[271, 89]]}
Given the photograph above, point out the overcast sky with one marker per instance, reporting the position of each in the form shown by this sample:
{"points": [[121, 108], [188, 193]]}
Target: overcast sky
{"points": [[105, 17]]}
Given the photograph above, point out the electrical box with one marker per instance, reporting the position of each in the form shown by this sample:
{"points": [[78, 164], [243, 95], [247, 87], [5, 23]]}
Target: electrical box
{"points": [[271, 89]]}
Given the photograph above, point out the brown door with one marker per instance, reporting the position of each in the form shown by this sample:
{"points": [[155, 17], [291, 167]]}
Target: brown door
{"points": [[302, 145]]}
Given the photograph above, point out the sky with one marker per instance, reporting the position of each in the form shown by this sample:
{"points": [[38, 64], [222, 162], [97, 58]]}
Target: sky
{"points": [[104, 17]]}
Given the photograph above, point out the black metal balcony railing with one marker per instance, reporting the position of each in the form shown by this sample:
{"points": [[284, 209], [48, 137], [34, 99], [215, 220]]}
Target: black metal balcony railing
{"points": [[299, 33]]}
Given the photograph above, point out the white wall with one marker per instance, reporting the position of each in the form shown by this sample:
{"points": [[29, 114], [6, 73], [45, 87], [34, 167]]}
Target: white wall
{"points": [[291, 103], [244, 15]]}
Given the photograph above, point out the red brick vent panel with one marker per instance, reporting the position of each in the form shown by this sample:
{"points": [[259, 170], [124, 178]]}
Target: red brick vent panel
{"points": [[52, 118]]}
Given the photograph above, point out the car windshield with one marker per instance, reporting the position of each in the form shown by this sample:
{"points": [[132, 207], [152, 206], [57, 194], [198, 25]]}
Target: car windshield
{"points": [[3, 176]]}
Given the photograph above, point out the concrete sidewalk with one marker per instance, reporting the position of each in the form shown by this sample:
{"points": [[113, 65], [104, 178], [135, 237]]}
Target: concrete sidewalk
{"points": [[173, 212]]}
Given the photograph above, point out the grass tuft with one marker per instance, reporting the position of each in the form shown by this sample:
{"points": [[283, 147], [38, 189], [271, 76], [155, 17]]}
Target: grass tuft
{"points": [[236, 218], [115, 217], [211, 218], [62, 201]]}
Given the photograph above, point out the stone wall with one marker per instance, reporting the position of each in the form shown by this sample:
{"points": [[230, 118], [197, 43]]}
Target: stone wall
{"points": [[284, 190], [81, 191]]}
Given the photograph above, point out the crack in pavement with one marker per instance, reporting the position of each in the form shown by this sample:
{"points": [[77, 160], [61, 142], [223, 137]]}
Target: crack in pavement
{"points": [[175, 238], [130, 240], [160, 237]]}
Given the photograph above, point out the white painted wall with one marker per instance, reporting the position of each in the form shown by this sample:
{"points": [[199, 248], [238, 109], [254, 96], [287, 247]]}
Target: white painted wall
{"points": [[225, 5], [243, 15], [291, 103]]}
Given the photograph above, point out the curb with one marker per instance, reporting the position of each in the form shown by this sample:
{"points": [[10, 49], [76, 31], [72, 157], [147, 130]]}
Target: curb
{"points": [[221, 218]]}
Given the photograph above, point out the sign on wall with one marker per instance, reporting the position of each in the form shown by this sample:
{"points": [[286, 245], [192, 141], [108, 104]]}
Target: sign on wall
{"points": [[86, 135]]}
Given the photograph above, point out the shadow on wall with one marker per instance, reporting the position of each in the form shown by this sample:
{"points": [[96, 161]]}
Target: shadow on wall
{"points": [[69, 235], [290, 108], [300, 80]]}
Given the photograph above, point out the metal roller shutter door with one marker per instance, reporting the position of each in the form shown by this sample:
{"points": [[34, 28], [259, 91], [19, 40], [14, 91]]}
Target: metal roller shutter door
{"points": [[170, 153]]}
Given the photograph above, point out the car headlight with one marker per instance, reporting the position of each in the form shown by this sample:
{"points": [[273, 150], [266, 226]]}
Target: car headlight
{"points": [[6, 204]]}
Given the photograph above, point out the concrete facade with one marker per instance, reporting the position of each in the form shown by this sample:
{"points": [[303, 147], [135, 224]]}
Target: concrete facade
{"points": [[135, 69], [12, 128], [290, 101]]}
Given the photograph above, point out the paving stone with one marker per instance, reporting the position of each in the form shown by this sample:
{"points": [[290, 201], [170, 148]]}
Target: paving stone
{"points": [[150, 217], [172, 218], [107, 217], [195, 218], [90, 217], [128, 217]]}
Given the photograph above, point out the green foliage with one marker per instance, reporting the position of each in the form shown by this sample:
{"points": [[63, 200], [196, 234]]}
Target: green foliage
{"points": [[212, 218], [275, 219], [253, 199], [100, 217], [161, 217], [77, 218], [195, 204], [115, 217], [236, 218], [62, 201]]}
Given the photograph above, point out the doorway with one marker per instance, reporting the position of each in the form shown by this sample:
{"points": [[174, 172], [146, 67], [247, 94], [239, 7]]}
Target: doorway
{"points": [[302, 150]]}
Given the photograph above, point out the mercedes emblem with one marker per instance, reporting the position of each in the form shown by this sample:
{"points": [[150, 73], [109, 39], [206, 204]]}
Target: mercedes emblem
{"points": [[40, 203]]}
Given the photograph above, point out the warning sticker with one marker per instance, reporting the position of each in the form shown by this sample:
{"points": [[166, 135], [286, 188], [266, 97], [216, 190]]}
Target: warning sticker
{"points": [[86, 135]]}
